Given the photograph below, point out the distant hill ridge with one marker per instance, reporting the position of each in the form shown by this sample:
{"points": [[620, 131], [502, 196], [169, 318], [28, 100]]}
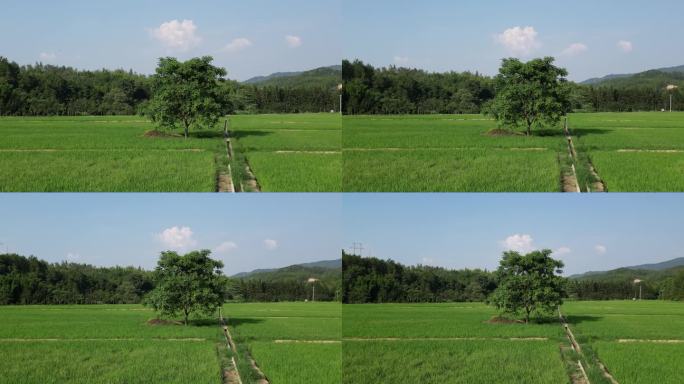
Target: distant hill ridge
{"points": [[328, 76], [665, 267], [674, 73], [323, 266]]}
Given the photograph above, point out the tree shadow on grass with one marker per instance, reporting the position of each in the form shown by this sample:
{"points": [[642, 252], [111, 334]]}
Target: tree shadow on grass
{"points": [[205, 134], [237, 321], [576, 319], [557, 132], [240, 134]]}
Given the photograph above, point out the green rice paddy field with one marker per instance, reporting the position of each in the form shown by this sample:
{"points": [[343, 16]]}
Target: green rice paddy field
{"points": [[113, 154], [457, 343], [115, 344], [639, 342], [457, 153], [291, 342]]}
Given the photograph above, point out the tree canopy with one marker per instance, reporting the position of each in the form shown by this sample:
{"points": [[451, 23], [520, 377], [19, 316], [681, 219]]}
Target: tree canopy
{"points": [[49, 90], [532, 94], [187, 284], [529, 284], [188, 94]]}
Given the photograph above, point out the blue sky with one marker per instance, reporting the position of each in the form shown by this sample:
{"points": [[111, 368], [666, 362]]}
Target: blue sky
{"points": [[248, 37], [588, 232], [590, 38], [245, 231]]}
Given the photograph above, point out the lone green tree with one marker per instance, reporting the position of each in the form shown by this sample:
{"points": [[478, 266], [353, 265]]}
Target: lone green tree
{"points": [[187, 93], [530, 94], [528, 284], [187, 284]]}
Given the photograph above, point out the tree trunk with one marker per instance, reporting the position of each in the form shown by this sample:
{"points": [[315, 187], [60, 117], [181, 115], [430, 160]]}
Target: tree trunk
{"points": [[527, 315], [186, 316], [186, 130]]}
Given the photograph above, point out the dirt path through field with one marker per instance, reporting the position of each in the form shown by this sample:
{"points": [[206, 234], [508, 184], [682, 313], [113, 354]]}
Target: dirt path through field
{"points": [[231, 375], [576, 346], [233, 348]]}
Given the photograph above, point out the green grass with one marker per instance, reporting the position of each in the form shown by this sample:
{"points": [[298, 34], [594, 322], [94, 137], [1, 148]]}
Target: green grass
{"points": [[113, 154], [261, 328], [290, 153], [451, 170], [435, 320], [299, 363], [297, 172], [642, 363], [446, 343], [115, 344], [69, 361], [107, 171], [445, 153], [640, 171], [600, 326], [464, 361]]}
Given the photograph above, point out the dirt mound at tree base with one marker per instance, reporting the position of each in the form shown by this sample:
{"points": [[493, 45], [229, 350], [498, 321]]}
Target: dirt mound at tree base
{"points": [[163, 322]]}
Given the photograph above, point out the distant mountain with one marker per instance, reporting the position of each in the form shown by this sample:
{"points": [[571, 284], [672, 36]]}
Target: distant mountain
{"points": [[304, 270], [678, 262], [642, 271], [324, 76], [654, 77]]}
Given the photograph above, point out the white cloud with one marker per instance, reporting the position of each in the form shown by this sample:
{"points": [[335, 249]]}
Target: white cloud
{"points": [[73, 256], [519, 41], [400, 60], [177, 238], [225, 247], [47, 56], [600, 249], [270, 244], [625, 46], [237, 44], [562, 251], [293, 41], [519, 243], [178, 35], [574, 49]]}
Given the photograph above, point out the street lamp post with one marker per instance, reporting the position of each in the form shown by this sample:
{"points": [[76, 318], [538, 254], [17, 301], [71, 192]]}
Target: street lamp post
{"points": [[671, 90], [313, 281], [638, 281]]}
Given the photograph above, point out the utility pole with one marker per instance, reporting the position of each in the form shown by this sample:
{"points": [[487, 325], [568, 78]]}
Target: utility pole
{"points": [[357, 249]]}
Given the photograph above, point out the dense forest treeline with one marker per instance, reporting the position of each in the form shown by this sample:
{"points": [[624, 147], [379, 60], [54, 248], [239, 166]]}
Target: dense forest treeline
{"points": [[47, 90], [371, 280], [395, 90], [29, 280]]}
